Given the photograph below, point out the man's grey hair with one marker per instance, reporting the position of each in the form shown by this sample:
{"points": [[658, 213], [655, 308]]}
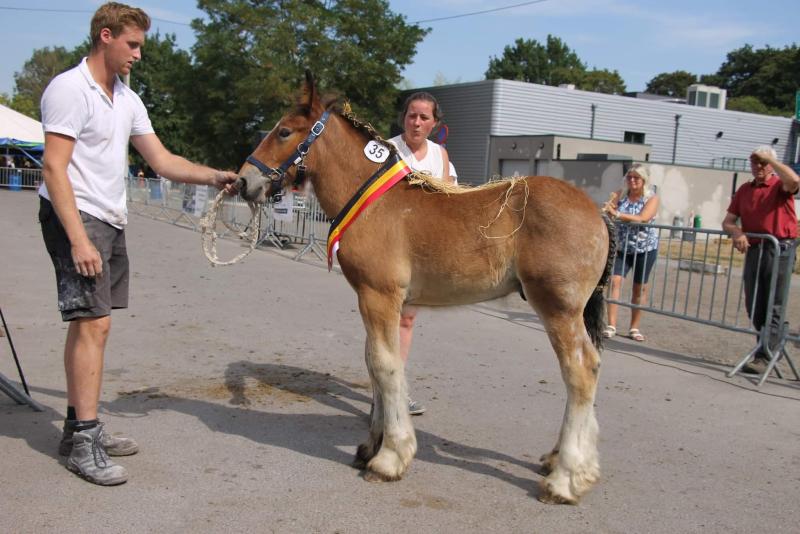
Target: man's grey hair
{"points": [[766, 148]]}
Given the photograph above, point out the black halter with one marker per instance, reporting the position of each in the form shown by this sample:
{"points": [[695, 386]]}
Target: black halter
{"points": [[275, 175]]}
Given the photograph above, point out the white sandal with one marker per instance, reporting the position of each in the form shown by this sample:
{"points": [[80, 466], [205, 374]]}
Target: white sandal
{"points": [[635, 335], [610, 331]]}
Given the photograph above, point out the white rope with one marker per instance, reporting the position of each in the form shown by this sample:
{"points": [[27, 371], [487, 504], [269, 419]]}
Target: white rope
{"points": [[208, 234], [503, 206]]}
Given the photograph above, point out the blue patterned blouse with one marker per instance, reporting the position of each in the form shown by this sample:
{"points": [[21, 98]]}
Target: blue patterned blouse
{"points": [[632, 237]]}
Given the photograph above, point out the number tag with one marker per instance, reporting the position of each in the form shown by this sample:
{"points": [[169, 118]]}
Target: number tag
{"points": [[376, 152]]}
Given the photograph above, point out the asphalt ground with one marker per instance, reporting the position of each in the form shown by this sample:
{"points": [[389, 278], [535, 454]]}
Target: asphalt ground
{"points": [[247, 391]]}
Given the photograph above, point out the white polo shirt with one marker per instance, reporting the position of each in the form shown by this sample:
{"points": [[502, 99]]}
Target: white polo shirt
{"points": [[76, 106]]}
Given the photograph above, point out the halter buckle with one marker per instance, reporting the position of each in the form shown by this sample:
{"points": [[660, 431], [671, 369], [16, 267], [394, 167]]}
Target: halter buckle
{"points": [[317, 128]]}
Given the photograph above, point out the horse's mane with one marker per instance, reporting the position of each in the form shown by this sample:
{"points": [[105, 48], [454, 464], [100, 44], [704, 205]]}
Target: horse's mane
{"points": [[422, 180]]}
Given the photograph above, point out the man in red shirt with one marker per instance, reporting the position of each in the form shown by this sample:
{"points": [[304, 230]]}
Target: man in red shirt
{"points": [[764, 205]]}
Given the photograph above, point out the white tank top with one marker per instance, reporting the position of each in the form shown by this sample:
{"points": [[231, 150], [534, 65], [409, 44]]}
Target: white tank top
{"points": [[432, 163]]}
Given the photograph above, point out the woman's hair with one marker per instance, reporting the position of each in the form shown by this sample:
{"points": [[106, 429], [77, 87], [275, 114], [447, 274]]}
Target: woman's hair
{"points": [[116, 17], [641, 170], [425, 97]]}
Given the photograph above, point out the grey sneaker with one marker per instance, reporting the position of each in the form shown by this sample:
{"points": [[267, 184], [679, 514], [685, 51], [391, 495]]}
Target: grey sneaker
{"points": [[756, 366], [415, 408], [114, 445], [89, 460]]}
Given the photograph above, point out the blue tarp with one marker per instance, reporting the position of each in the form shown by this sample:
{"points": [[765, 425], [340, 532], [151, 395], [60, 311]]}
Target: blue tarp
{"points": [[22, 145]]}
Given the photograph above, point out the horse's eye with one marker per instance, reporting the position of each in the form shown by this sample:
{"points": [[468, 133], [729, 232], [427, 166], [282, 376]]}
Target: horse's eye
{"points": [[284, 132]]}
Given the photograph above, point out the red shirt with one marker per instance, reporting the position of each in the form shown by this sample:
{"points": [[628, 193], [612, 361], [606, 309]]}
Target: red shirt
{"points": [[765, 209]]}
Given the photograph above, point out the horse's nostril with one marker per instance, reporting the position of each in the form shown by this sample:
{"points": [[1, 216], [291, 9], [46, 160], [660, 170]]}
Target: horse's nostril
{"points": [[241, 185]]}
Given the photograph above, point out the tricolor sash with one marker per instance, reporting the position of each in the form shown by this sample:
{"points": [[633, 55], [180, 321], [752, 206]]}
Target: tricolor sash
{"points": [[394, 170]]}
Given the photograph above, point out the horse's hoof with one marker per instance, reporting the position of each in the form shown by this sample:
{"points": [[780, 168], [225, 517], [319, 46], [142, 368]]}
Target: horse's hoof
{"points": [[385, 466], [372, 476], [548, 495], [364, 454], [548, 463]]}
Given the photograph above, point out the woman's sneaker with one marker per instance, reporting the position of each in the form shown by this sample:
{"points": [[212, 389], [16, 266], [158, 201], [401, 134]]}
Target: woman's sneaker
{"points": [[415, 408], [89, 459], [114, 445]]}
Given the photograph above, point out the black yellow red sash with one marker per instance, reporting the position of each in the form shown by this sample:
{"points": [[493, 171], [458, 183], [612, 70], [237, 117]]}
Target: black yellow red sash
{"points": [[394, 170]]}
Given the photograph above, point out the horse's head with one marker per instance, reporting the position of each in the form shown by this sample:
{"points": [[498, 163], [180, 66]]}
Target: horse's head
{"points": [[278, 160]]}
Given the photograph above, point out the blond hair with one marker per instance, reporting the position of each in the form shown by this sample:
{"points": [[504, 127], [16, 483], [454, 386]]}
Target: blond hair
{"points": [[644, 172], [116, 17]]}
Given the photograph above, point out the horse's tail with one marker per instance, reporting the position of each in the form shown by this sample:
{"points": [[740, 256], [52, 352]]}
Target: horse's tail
{"points": [[594, 311]]}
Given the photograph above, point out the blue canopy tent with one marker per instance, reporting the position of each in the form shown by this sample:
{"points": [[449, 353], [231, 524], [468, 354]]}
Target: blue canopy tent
{"points": [[20, 135], [32, 151]]}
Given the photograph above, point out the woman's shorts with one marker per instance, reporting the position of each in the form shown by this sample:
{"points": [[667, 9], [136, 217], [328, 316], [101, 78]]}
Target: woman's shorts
{"points": [[83, 296], [641, 263]]}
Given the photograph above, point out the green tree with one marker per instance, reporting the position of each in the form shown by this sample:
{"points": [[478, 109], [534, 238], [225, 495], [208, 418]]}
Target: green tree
{"points": [[528, 60], [750, 104], [771, 75], [602, 81], [163, 79], [250, 58], [44, 64], [672, 84]]}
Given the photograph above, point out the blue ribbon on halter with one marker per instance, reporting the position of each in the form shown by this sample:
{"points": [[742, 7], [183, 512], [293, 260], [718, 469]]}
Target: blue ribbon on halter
{"points": [[276, 175]]}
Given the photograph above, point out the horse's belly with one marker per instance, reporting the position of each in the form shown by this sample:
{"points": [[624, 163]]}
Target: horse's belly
{"points": [[455, 290]]}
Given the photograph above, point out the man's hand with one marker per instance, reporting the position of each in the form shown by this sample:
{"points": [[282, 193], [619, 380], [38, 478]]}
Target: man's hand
{"points": [[763, 157], [225, 180], [87, 260], [741, 243]]}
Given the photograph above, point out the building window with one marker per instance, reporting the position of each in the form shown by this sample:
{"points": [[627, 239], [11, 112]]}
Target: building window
{"points": [[713, 100], [634, 137], [701, 98]]}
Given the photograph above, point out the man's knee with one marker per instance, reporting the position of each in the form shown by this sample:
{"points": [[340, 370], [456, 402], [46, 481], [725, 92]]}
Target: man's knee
{"points": [[96, 328]]}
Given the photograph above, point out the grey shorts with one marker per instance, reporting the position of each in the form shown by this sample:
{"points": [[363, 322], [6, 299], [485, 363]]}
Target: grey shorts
{"points": [[82, 296]]}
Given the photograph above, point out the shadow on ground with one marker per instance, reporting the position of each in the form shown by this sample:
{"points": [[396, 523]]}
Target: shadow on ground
{"points": [[247, 402]]}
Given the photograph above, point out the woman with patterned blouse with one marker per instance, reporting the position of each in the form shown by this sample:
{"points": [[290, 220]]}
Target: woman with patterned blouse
{"points": [[637, 247]]}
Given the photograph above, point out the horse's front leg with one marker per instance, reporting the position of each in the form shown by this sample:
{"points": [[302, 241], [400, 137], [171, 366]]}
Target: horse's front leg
{"points": [[391, 444], [366, 451]]}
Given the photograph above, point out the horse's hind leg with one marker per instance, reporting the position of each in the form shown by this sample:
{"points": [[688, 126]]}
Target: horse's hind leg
{"points": [[573, 464], [391, 443]]}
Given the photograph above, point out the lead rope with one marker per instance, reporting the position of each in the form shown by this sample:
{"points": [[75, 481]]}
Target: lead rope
{"points": [[208, 235]]}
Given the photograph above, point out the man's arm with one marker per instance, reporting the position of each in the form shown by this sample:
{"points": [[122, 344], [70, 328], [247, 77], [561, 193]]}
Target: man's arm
{"points": [[179, 169], [57, 154], [737, 235], [789, 179]]}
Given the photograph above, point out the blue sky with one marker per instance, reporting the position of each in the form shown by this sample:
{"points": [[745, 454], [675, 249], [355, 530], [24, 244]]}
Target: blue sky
{"points": [[640, 39]]}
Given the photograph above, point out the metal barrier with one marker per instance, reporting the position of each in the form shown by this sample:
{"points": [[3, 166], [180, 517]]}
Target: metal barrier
{"points": [[300, 223], [22, 178], [698, 277]]}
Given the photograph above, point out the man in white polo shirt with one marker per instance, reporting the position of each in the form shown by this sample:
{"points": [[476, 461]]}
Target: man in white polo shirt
{"points": [[89, 116]]}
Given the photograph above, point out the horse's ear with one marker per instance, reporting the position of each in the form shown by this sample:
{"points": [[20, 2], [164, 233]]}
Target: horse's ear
{"points": [[309, 96]]}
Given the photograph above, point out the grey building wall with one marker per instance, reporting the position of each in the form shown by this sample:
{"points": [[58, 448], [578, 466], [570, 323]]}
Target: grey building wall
{"points": [[476, 111]]}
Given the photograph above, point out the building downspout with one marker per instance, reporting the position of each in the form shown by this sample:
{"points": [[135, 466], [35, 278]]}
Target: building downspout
{"points": [[675, 139], [594, 111]]}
